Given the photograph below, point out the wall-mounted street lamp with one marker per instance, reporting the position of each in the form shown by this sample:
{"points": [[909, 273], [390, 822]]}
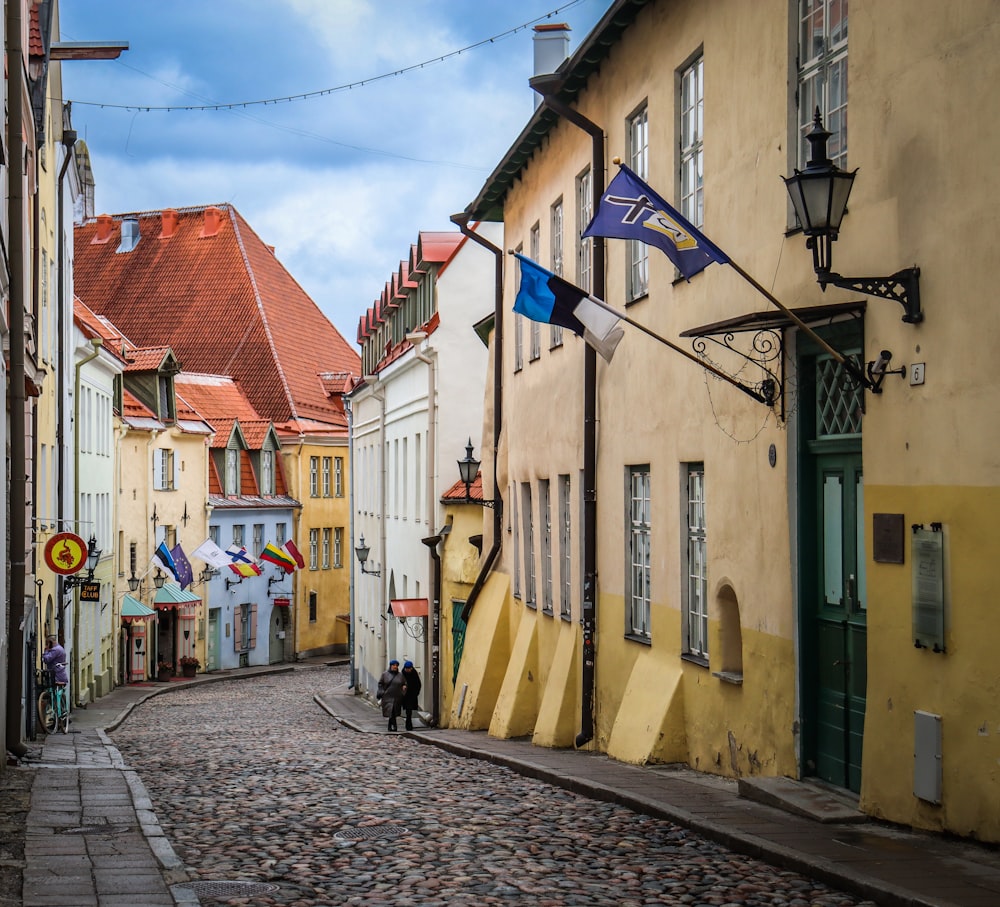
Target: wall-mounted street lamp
{"points": [[468, 469], [207, 574], [271, 580], [159, 579], [819, 194], [134, 583], [232, 582], [362, 551], [93, 556]]}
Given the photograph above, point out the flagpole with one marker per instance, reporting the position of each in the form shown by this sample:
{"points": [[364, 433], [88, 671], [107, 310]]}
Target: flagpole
{"points": [[750, 392]]}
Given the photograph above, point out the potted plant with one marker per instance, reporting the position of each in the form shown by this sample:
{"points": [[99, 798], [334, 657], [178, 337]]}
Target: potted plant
{"points": [[189, 665], [164, 671]]}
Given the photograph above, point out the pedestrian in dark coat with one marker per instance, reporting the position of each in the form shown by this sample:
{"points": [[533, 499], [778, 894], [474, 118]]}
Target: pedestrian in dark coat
{"points": [[412, 680], [391, 689]]}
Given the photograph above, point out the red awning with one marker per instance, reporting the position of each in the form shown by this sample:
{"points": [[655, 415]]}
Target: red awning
{"points": [[409, 607]]}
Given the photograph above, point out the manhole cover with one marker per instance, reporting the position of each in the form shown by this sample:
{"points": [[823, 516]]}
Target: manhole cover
{"points": [[373, 831], [230, 889]]}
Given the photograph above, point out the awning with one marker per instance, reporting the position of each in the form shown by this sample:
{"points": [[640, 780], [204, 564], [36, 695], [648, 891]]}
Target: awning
{"points": [[776, 320], [408, 607], [173, 596], [133, 609]]}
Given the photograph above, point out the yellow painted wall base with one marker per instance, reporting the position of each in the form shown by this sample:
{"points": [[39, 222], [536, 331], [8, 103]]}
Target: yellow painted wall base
{"points": [[650, 725], [557, 719], [516, 710]]}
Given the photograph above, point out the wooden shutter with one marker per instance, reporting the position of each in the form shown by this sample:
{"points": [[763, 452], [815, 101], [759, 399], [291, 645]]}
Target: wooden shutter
{"points": [[158, 468], [252, 643]]}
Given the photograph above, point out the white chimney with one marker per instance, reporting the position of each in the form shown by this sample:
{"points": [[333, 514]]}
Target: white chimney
{"points": [[551, 49]]}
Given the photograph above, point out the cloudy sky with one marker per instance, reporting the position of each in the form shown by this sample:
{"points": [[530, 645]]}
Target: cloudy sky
{"points": [[342, 181]]}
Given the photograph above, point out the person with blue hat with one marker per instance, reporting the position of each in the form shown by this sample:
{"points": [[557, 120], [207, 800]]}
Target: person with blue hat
{"points": [[412, 690], [390, 692]]}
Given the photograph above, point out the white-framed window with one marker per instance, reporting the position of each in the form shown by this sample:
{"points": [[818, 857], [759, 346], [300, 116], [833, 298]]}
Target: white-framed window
{"points": [[232, 471], [213, 534], [314, 549], [246, 631], [638, 157], [556, 251], [534, 250], [338, 476], [267, 472], [327, 465], [239, 534], [514, 539], [695, 558], [823, 75], [258, 539], [584, 215], [692, 106], [314, 477], [338, 546], [637, 593], [326, 549], [545, 522], [527, 531], [164, 470], [565, 553], [280, 534]]}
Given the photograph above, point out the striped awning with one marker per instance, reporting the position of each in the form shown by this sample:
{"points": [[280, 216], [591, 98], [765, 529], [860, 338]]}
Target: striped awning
{"points": [[173, 596]]}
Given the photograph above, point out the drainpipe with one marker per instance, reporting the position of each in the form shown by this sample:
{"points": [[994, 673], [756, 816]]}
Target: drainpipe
{"points": [[548, 86], [17, 501], [462, 222], [348, 413], [97, 343], [432, 543], [378, 392]]}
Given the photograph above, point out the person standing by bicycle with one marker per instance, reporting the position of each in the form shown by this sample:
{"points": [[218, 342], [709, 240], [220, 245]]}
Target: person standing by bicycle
{"points": [[54, 659]]}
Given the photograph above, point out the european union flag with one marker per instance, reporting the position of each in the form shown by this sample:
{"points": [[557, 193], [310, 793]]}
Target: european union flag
{"points": [[629, 209], [182, 567]]}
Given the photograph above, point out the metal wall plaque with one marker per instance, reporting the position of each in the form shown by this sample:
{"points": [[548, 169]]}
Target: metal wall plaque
{"points": [[927, 554], [887, 538]]}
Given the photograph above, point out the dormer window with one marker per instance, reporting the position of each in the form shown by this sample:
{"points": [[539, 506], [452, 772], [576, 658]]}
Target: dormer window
{"points": [[165, 397], [232, 471], [267, 472]]}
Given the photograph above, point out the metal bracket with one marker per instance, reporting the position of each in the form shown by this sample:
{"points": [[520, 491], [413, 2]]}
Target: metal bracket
{"points": [[902, 287], [766, 347]]}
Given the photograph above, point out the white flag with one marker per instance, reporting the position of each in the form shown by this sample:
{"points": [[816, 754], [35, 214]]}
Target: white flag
{"points": [[212, 554]]}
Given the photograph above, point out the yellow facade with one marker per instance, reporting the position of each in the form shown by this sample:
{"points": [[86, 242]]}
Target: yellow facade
{"points": [[917, 133]]}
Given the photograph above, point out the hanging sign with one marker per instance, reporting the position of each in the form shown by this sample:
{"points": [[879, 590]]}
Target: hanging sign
{"points": [[65, 553], [90, 592]]}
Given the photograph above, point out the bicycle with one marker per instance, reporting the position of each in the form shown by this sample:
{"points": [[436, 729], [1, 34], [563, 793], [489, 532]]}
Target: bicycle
{"points": [[53, 707]]}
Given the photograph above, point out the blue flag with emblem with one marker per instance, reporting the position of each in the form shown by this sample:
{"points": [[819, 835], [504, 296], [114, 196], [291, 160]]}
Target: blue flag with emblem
{"points": [[629, 209]]}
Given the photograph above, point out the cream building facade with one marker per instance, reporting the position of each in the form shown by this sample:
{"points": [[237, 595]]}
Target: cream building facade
{"points": [[788, 587]]}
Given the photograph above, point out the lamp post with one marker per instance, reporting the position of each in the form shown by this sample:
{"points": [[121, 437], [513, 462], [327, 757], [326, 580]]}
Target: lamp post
{"points": [[362, 551], [468, 469], [93, 556], [819, 194]]}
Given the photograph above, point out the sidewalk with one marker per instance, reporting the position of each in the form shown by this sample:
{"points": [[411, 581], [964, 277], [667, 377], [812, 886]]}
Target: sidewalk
{"points": [[891, 866]]}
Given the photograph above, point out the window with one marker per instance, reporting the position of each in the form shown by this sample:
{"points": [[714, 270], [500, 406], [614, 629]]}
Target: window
{"points": [[692, 151], [556, 221], [638, 573], [326, 476], [529, 545], [267, 472], [534, 251], [313, 549], [238, 535], [545, 520], [584, 215], [418, 482], [696, 588], [326, 549], [565, 555], [338, 476], [232, 471], [258, 539], [164, 471], [280, 534], [638, 157], [314, 477], [312, 607], [823, 74], [516, 546], [213, 534], [246, 632], [518, 332], [338, 547]]}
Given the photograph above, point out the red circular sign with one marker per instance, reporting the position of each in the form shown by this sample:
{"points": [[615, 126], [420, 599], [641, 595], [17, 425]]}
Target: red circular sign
{"points": [[65, 553]]}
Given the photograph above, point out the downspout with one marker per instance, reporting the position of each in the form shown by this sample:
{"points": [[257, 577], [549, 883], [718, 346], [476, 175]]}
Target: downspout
{"points": [[462, 222], [349, 414], [432, 543], [547, 86], [77, 686], [379, 394], [17, 502]]}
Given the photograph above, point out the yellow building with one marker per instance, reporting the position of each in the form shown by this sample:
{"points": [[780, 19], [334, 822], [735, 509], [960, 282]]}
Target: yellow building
{"points": [[750, 542]]}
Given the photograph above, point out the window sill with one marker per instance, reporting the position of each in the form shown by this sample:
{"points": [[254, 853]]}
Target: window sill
{"points": [[729, 677], [699, 660], [642, 640]]}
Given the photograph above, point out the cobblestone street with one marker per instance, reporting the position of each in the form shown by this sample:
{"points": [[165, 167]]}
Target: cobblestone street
{"points": [[254, 783]]}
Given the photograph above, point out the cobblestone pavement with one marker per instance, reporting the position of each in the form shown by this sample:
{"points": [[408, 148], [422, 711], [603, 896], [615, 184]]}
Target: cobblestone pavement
{"points": [[254, 784]]}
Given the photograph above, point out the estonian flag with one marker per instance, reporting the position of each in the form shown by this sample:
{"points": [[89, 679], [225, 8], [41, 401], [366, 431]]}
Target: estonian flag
{"points": [[546, 297], [274, 555], [164, 559], [629, 209]]}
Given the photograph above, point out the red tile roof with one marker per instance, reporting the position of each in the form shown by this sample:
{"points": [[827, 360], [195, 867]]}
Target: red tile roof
{"points": [[457, 491], [216, 295]]}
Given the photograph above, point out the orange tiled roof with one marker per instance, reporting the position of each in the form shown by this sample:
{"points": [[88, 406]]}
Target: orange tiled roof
{"points": [[457, 491], [203, 283], [147, 359], [93, 326]]}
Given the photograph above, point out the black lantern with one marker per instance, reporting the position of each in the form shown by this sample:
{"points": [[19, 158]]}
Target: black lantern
{"points": [[93, 556], [134, 582], [468, 469], [362, 551], [819, 195], [159, 579]]}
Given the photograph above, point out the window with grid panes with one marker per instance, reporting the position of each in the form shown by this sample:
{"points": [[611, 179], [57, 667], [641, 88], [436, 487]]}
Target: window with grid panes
{"points": [[313, 549], [545, 522], [338, 546], [692, 149], [258, 539], [514, 539], [839, 400], [326, 476], [527, 531], [326, 549], [338, 476], [638, 565], [823, 74], [239, 534], [314, 477], [695, 559], [556, 233], [584, 246], [638, 157], [280, 534], [565, 554], [267, 472], [534, 250]]}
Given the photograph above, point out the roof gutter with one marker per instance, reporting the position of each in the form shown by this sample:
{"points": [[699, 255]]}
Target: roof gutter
{"points": [[462, 222]]}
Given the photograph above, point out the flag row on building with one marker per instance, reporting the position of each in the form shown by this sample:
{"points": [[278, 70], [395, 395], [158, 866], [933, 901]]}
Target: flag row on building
{"points": [[234, 558]]}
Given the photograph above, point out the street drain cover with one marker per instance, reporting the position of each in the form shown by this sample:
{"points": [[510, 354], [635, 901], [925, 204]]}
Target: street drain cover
{"points": [[220, 890], [373, 831]]}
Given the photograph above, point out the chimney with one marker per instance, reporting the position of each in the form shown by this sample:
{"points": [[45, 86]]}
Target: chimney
{"points": [[130, 234], [551, 49], [105, 227], [213, 220], [168, 223]]}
